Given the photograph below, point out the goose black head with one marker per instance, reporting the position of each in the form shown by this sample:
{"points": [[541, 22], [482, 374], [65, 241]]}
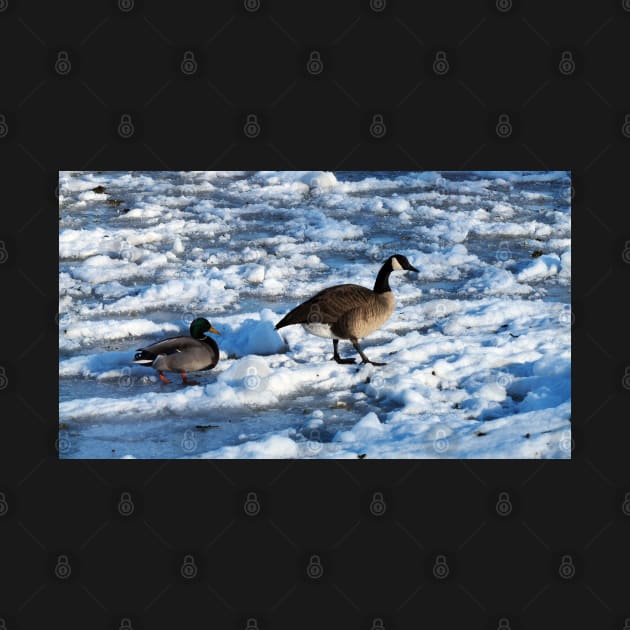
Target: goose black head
{"points": [[399, 262], [201, 325]]}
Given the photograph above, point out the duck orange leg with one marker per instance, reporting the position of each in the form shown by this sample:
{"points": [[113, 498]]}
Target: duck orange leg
{"points": [[185, 380], [163, 378]]}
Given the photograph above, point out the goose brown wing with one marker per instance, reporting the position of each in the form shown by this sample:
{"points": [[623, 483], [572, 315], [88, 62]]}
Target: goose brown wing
{"points": [[328, 305]]}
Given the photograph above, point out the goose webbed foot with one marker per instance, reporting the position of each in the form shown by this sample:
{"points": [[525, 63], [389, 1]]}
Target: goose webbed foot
{"points": [[343, 361], [364, 359], [336, 356]]}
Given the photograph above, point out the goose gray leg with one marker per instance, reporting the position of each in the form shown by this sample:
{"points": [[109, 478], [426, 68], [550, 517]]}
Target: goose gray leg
{"points": [[364, 359], [336, 356]]}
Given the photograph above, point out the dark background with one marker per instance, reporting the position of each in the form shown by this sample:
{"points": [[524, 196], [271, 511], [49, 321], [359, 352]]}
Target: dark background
{"points": [[314, 75]]}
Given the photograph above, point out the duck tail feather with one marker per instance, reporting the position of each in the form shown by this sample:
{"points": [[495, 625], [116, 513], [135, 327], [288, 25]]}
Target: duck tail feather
{"points": [[143, 357]]}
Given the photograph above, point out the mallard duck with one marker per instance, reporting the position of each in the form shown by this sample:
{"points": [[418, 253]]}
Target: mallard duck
{"points": [[349, 311], [182, 354]]}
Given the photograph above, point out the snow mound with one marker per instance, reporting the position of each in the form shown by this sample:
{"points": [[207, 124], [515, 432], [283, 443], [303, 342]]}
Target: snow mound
{"points": [[541, 268], [273, 447]]}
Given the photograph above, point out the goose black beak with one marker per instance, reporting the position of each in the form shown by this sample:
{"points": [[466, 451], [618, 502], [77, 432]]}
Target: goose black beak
{"points": [[412, 268]]}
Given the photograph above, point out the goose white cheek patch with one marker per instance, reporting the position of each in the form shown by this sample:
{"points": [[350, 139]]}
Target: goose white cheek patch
{"points": [[396, 266]]}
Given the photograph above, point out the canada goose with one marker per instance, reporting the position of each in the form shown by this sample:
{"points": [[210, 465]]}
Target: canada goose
{"points": [[182, 354], [349, 311]]}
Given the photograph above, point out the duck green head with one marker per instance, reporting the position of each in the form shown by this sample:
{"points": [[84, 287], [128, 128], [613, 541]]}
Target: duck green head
{"points": [[199, 326]]}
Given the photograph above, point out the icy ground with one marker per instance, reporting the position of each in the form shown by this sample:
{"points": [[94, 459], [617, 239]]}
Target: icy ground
{"points": [[478, 348]]}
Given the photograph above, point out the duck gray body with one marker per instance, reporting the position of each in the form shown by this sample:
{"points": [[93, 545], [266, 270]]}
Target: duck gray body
{"points": [[349, 311], [182, 354]]}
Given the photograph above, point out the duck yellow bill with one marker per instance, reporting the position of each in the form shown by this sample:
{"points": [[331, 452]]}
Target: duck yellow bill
{"points": [[214, 330]]}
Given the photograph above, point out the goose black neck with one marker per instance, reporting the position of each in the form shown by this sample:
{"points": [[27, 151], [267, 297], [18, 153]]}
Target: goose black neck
{"points": [[382, 280]]}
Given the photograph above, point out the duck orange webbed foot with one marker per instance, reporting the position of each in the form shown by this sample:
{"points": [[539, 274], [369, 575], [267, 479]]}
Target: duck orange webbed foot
{"points": [[163, 378], [185, 380]]}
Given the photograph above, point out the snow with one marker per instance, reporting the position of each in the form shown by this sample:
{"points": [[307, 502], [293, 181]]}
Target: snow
{"points": [[541, 268], [478, 349], [273, 447]]}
